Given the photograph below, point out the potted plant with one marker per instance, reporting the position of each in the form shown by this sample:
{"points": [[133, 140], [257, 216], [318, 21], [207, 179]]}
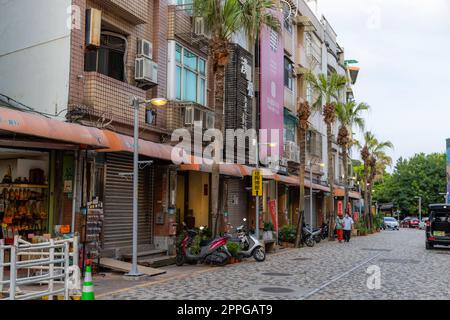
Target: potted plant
{"points": [[268, 230], [286, 236], [234, 250]]}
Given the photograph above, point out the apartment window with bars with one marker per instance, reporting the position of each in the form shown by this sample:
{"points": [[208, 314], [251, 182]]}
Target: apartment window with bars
{"points": [[190, 76]]}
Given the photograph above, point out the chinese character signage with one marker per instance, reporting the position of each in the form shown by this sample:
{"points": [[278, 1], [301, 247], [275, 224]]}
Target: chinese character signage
{"points": [[272, 91]]}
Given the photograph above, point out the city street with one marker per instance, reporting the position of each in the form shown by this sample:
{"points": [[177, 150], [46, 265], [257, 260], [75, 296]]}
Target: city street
{"points": [[330, 270]]}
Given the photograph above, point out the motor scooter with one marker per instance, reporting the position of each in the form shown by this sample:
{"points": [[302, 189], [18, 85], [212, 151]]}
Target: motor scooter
{"points": [[250, 245], [211, 252]]}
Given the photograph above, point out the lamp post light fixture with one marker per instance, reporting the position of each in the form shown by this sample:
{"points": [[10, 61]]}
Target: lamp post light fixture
{"points": [[136, 103]]}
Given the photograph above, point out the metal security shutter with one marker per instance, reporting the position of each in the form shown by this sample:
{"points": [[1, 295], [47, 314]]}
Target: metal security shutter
{"points": [[118, 204], [236, 211], [307, 208]]}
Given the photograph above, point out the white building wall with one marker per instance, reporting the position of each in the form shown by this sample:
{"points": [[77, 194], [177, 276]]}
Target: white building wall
{"points": [[35, 53]]}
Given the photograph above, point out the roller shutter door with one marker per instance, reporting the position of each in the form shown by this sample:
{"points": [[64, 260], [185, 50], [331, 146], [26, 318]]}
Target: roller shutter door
{"points": [[118, 204], [237, 202]]}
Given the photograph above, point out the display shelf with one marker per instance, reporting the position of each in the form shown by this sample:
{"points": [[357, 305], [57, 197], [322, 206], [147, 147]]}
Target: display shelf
{"points": [[19, 185]]}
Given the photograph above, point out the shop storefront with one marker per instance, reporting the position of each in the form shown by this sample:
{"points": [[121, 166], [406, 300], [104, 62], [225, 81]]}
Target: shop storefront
{"points": [[24, 193], [236, 195]]}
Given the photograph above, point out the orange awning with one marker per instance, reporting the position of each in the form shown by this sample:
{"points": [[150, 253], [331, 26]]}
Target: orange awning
{"points": [[19, 122], [340, 192], [122, 143]]}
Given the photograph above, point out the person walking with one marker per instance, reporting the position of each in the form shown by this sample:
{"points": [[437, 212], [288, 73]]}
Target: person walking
{"points": [[348, 226], [340, 227]]}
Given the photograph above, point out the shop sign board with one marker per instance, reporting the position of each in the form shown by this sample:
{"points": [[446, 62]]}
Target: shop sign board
{"points": [[257, 183]]}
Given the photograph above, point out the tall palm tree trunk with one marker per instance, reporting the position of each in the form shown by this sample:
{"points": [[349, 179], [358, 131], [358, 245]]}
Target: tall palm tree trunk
{"points": [[331, 214], [346, 180], [366, 197], [301, 211], [219, 93]]}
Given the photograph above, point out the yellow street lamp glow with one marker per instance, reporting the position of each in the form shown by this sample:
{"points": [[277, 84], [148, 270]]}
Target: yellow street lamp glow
{"points": [[159, 102], [322, 165]]}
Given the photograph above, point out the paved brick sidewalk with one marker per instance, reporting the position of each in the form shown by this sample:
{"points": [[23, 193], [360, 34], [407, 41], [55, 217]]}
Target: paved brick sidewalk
{"points": [[408, 271]]}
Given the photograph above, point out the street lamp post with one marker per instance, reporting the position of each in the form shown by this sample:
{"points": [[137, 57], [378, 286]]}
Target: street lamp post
{"points": [[135, 103], [420, 207]]}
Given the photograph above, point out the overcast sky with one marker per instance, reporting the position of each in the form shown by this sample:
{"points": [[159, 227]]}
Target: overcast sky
{"points": [[403, 49]]}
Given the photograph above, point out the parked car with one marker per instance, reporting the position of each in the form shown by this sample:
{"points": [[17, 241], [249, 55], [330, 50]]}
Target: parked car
{"points": [[410, 222], [423, 223], [390, 223], [438, 226]]}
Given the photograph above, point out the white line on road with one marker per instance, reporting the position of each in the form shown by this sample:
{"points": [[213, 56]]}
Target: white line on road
{"points": [[326, 284]]}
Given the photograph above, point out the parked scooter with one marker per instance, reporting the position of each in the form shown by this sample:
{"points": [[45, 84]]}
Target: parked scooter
{"points": [[316, 233], [211, 252], [250, 245], [308, 236], [324, 232]]}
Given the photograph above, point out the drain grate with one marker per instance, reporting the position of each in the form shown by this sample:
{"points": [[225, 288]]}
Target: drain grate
{"points": [[276, 290], [400, 261], [276, 274], [376, 250]]}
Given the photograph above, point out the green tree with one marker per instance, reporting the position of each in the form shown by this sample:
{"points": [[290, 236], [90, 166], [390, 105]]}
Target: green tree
{"points": [[421, 175], [223, 19], [327, 90], [349, 116]]}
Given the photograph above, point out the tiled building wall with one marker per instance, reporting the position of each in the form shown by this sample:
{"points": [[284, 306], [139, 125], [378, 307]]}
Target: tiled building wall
{"points": [[101, 96]]}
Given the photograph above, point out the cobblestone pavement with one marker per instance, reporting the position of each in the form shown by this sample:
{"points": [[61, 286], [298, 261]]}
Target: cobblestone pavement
{"points": [[330, 270]]}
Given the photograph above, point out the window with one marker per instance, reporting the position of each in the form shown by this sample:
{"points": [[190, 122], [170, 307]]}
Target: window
{"points": [[109, 58], [290, 126], [288, 74], [314, 143], [190, 75], [287, 15]]}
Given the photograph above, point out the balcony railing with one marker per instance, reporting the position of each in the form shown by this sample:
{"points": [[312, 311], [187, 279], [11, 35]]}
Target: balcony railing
{"points": [[188, 28]]}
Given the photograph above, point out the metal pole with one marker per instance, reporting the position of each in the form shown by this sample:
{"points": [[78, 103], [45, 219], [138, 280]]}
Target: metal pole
{"points": [[51, 268], [310, 198], [66, 270], [2, 259], [74, 191], [257, 194], [134, 270], [13, 270], [360, 206], [420, 208]]}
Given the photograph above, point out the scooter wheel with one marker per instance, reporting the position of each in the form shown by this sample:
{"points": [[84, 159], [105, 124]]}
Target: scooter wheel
{"points": [[309, 242], [318, 239], [259, 254], [180, 260]]}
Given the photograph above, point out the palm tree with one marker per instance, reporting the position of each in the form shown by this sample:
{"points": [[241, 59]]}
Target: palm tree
{"points": [[327, 90], [349, 116], [304, 112], [223, 18], [372, 151]]}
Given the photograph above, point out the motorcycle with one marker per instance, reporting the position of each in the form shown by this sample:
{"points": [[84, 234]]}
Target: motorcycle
{"points": [[324, 232], [250, 245], [308, 236], [211, 252], [316, 233]]}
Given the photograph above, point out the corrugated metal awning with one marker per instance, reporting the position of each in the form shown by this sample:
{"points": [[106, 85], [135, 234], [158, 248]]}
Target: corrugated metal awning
{"points": [[24, 123]]}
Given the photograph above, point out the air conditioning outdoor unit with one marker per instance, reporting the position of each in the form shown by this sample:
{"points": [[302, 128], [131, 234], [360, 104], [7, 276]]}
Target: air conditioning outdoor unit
{"points": [[146, 70], [189, 116], [199, 26], [144, 49]]}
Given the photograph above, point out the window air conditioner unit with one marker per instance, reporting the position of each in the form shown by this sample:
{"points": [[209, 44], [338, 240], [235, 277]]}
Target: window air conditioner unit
{"points": [[199, 26], [146, 70], [93, 27], [189, 116], [144, 49]]}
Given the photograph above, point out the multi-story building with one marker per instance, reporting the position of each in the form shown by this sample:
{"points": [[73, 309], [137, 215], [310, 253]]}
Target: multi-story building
{"points": [[66, 87]]}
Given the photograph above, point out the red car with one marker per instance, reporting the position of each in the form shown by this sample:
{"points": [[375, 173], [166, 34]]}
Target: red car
{"points": [[414, 223]]}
